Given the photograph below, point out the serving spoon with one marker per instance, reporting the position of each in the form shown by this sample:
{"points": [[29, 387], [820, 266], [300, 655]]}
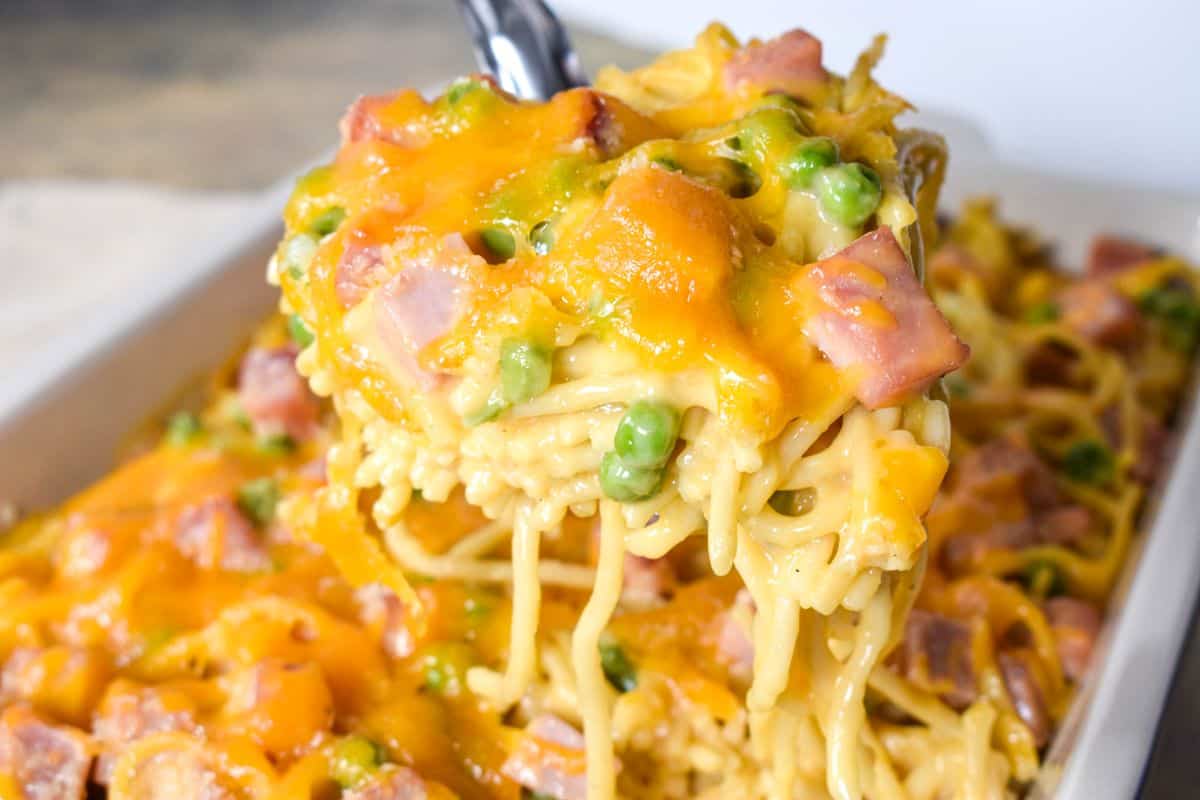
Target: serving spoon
{"points": [[522, 43]]}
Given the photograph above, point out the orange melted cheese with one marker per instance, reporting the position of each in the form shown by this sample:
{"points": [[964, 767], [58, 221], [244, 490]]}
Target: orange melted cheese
{"points": [[272, 664], [676, 269]]}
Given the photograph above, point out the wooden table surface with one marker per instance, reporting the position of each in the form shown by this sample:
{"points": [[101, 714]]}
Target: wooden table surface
{"points": [[232, 94]]}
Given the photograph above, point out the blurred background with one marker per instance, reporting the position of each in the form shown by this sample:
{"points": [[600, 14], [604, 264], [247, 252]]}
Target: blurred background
{"points": [[133, 129]]}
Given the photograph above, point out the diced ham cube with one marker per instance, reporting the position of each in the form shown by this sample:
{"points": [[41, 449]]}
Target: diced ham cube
{"points": [[274, 395], [1005, 473], [602, 127], [1098, 311], [360, 269], [45, 762], [1065, 525], [216, 535], [129, 713], [84, 548], [177, 767], [282, 706], [964, 551], [647, 582], [735, 647], [419, 304], [865, 310], [1018, 670], [549, 759], [390, 783], [1005, 464], [1153, 449], [380, 610], [1111, 254], [60, 680], [365, 121], [1075, 624], [788, 63], [936, 654]]}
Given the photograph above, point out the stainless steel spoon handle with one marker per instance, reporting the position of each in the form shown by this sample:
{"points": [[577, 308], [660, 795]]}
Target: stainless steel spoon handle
{"points": [[523, 45]]}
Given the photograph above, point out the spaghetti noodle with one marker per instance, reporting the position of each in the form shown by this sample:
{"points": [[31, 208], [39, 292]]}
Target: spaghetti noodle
{"points": [[618, 312]]}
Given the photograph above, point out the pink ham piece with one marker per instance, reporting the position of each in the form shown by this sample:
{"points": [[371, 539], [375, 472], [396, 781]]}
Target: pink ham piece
{"points": [[421, 303], [1006, 463], [1075, 624], [390, 783], [788, 63], [1018, 670], [549, 759], [936, 654], [45, 762], [360, 269], [366, 121], [216, 535], [275, 397], [865, 310], [382, 612], [84, 549], [735, 648], [129, 713], [1098, 311], [184, 769], [1067, 524], [1112, 254], [647, 582]]}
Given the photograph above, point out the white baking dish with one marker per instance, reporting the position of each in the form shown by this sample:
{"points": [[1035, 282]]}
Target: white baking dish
{"points": [[62, 418]]}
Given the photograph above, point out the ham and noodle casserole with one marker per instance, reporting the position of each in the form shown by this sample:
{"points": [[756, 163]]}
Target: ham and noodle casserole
{"points": [[596, 454]]}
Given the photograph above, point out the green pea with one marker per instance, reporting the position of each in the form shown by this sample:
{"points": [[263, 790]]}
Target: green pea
{"points": [[783, 101], [849, 193], [794, 502], [469, 100], [257, 499], [444, 667], [1178, 314], [279, 444], [524, 370], [646, 435], [478, 606], [812, 156], [530, 794], [354, 759], [298, 331], [183, 427], [1047, 311], [1089, 461], [627, 484], [1043, 578], [491, 409], [541, 236], [297, 253], [764, 131], [618, 669], [667, 163], [739, 180], [460, 89], [499, 243], [327, 221]]}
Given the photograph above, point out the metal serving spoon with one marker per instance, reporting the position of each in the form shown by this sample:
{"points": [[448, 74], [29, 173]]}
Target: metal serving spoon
{"points": [[523, 45]]}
